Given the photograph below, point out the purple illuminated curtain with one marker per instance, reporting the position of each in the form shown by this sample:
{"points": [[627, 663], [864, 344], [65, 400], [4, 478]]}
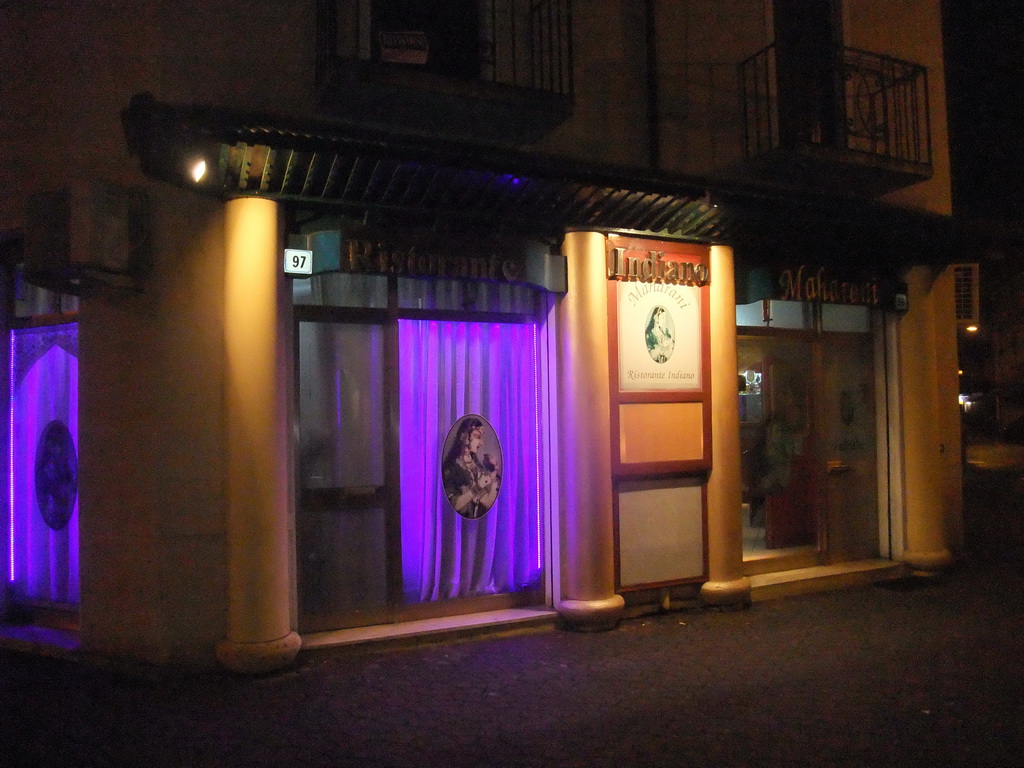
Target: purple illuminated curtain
{"points": [[448, 371], [44, 464]]}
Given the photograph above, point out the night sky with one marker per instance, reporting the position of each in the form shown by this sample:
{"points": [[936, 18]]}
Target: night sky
{"points": [[985, 89]]}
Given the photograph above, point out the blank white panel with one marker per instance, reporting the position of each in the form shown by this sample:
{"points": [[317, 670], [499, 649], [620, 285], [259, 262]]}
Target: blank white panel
{"points": [[661, 531]]}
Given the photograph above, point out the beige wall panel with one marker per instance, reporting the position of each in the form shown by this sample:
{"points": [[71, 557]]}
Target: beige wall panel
{"points": [[651, 432], [608, 124], [661, 531]]}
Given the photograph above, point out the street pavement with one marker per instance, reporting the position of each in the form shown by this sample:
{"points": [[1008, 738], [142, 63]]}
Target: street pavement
{"points": [[906, 673], [901, 674]]}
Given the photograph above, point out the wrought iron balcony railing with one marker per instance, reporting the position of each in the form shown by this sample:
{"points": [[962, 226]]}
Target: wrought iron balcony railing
{"points": [[858, 102], [520, 43]]}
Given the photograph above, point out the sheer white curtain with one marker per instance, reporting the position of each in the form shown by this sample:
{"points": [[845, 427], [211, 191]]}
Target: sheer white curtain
{"points": [[448, 371], [44, 477]]}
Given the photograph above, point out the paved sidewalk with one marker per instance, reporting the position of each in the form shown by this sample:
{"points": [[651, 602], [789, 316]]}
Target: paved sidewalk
{"points": [[902, 674]]}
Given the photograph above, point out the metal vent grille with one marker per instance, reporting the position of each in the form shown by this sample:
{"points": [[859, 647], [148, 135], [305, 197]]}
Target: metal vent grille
{"points": [[965, 292]]}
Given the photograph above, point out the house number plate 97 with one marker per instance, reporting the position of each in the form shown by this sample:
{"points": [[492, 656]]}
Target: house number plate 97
{"points": [[297, 262]]}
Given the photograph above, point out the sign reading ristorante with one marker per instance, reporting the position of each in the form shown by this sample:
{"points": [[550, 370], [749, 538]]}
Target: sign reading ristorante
{"points": [[366, 253], [424, 254]]}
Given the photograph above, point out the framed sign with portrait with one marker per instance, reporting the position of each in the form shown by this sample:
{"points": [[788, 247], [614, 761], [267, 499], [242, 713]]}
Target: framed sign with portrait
{"points": [[659, 355], [658, 348]]}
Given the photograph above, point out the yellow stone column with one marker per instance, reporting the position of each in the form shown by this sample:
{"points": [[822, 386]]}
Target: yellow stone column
{"points": [[260, 637], [588, 600], [726, 584], [924, 440]]}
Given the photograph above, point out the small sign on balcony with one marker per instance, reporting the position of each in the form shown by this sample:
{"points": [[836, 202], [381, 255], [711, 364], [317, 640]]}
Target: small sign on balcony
{"points": [[404, 47]]}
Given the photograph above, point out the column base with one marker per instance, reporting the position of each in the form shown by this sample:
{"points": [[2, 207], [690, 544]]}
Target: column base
{"points": [[592, 615], [726, 594], [928, 562], [259, 658]]}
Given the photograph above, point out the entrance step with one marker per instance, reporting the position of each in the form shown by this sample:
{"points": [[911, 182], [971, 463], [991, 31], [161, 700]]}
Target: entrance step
{"points": [[39, 641], [821, 578], [433, 630]]}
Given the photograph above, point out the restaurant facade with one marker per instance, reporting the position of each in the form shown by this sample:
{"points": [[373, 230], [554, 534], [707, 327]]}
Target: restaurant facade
{"points": [[376, 335]]}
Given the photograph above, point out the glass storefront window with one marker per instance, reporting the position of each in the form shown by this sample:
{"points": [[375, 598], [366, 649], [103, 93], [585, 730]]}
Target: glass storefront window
{"points": [[43, 524], [341, 405], [455, 504], [33, 301], [341, 522], [341, 289], [796, 315], [791, 315], [837, 318], [471, 469]]}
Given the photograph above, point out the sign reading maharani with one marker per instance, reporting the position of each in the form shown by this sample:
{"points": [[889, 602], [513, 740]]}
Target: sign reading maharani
{"points": [[658, 313]]}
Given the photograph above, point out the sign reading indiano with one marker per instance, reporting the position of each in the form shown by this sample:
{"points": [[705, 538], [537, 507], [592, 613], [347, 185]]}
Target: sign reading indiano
{"points": [[655, 266], [658, 296]]}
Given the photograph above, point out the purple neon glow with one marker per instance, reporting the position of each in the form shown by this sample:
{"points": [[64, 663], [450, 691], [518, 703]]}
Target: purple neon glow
{"points": [[10, 466], [44, 387], [536, 424], [450, 370]]}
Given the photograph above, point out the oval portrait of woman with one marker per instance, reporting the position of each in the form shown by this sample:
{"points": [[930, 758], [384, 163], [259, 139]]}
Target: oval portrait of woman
{"points": [[471, 466], [660, 334], [56, 475]]}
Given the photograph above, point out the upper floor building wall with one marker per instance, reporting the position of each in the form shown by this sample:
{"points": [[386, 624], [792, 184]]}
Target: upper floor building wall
{"points": [[911, 30], [682, 109], [69, 70]]}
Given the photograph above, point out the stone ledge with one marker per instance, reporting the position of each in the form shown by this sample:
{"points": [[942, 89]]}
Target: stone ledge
{"points": [[432, 630], [40, 641], [821, 578]]}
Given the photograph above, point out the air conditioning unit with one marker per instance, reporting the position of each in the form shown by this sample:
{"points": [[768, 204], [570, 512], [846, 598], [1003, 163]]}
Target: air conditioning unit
{"points": [[90, 233]]}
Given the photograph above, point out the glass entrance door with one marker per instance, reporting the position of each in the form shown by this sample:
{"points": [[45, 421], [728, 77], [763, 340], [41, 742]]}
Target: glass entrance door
{"points": [[808, 443], [778, 433], [847, 417], [342, 535]]}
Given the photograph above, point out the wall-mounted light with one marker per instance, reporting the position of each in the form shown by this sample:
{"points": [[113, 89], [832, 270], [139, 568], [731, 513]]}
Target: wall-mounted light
{"points": [[198, 170], [971, 329]]}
